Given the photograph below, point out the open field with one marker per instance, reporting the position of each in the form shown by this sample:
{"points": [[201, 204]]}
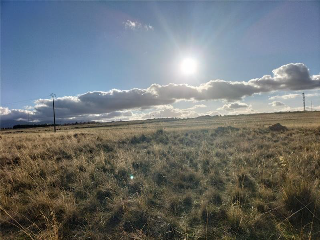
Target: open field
{"points": [[211, 178]]}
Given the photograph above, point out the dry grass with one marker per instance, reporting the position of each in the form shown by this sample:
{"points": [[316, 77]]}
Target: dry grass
{"points": [[218, 178]]}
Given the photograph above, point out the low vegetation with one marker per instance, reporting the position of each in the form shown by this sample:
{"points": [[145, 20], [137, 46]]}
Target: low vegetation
{"points": [[218, 179]]}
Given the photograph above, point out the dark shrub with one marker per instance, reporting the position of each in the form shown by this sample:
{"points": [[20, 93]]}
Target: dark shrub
{"points": [[215, 198], [160, 178], [142, 166], [159, 132], [122, 175], [140, 139], [300, 200], [135, 220], [212, 215], [176, 206], [116, 217], [71, 223], [103, 195], [217, 182], [245, 181], [278, 128], [161, 137], [106, 147], [224, 130], [135, 187], [239, 197], [80, 194], [187, 203], [190, 180]]}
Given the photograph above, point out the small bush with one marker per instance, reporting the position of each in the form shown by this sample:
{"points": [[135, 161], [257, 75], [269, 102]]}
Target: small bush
{"points": [[214, 198], [211, 215], [141, 166], [188, 180], [80, 195], [122, 175], [235, 218], [159, 132], [240, 197], [161, 137], [115, 217], [301, 201], [71, 223], [135, 220], [103, 195], [160, 178], [224, 130], [217, 182], [135, 187], [140, 139], [245, 181], [187, 203]]}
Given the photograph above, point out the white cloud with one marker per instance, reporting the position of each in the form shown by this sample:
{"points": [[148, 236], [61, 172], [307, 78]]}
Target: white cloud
{"points": [[213, 113], [148, 27], [234, 106], [293, 95], [285, 97], [168, 111], [7, 114], [28, 107], [293, 76], [312, 95], [197, 107], [135, 25], [132, 25], [4, 111], [277, 104]]}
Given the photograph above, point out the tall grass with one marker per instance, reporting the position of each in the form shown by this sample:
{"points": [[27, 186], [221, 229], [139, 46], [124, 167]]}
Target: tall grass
{"points": [[153, 183]]}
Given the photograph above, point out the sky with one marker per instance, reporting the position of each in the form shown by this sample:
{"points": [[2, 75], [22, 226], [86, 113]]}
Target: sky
{"points": [[122, 60]]}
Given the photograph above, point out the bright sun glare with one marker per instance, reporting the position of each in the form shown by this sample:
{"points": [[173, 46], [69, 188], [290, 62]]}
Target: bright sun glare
{"points": [[188, 66]]}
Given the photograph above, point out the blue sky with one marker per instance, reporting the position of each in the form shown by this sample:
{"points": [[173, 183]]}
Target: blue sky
{"points": [[72, 48]]}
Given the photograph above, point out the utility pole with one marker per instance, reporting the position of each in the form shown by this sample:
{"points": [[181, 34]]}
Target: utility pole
{"points": [[54, 112], [304, 102], [311, 106]]}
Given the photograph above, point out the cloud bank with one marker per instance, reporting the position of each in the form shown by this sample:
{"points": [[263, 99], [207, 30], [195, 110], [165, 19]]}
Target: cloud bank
{"points": [[17, 114], [101, 105]]}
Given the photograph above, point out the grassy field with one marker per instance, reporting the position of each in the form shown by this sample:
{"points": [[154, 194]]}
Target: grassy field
{"points": [[212, 178]]}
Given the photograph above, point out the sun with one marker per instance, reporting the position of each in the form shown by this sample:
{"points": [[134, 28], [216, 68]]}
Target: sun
{"points": [[188, 66]]}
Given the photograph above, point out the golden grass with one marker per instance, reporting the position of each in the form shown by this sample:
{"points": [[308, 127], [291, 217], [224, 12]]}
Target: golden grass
{"points": [[217, 178]]}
